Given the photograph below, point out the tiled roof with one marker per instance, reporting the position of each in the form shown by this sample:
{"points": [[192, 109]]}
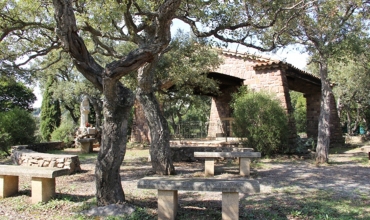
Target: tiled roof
{"points": [[266, 62]]}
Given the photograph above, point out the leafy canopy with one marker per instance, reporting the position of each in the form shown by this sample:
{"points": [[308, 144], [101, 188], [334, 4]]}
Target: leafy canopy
{"points": [[15, 94]]}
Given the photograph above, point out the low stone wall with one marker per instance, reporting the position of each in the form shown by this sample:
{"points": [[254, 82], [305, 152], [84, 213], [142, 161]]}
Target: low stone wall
{"points": [[27, 157], [41, 147]]}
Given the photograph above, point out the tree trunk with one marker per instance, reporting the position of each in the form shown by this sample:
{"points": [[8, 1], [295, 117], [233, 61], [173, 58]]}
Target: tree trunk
{"points": [[116, 109], [323, 139], [160, 152], [349, 122]]}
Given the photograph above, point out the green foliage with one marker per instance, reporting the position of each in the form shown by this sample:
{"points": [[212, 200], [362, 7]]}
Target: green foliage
{"points": [[260, 121], [17, 126], [186, 64], [65, 132], [299, 104], [50, 113], [5, 142], [15, 94], [351, 78], [303, 144], [181, 100]]}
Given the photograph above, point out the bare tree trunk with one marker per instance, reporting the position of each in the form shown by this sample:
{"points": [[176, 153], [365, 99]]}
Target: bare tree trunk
{"points": [[116, 109], [349, 122], [323, 139], [160, 152]]}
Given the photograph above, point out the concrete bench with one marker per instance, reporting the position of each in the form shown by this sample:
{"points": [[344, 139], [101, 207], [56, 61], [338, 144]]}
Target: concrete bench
{"points": [[43, 181], [244, 160], [168, 198]]}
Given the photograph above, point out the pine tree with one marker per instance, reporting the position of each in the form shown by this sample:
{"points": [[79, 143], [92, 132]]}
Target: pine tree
{"points": [[50, 112]]}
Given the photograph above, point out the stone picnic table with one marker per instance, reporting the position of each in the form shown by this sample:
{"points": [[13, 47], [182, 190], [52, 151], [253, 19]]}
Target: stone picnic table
{"points": [[168, 192], [244, 160]]}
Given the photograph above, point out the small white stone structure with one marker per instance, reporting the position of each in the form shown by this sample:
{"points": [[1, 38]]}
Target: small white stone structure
{"points": [[85, 110], [85, 135]]}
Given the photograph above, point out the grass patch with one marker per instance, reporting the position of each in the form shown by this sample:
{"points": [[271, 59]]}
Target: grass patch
{"points": [[361, 160], [258, 164], [83, 157], [313, 205], [134, 153], [341, 149]]}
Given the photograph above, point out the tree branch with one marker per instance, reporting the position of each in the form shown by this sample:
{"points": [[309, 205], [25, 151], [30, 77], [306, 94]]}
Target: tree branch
{"points": [[67, 32]]}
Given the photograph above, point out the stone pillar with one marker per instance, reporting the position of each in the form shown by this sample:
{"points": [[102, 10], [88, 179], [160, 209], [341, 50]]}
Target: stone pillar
{"points": [[220, 108], [8, 185], [167, 204], [42, 189], [230, 205], [209, 166], [244, 166], [312, 114], [336, 134]]}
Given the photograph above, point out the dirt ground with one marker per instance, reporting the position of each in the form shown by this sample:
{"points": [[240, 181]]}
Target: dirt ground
{"points": [[343, 174]]}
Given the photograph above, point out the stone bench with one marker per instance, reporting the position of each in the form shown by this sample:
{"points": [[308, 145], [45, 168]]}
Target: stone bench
{"points": [[168, 197], [43, 181], [244, 160]]}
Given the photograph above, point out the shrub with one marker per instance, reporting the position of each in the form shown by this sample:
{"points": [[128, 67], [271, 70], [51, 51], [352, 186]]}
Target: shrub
{"points": [[260, 121], [17, 126], [65, 132]]}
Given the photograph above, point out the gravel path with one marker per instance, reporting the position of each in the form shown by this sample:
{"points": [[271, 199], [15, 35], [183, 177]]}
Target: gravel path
{"points": [[342, 176]]}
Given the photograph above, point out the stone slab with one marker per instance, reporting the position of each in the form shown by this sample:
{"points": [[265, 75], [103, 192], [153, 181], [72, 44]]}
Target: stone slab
{"points": [[242, 149], [41, 172], [228, 154], [248, 186], [84, 140]]}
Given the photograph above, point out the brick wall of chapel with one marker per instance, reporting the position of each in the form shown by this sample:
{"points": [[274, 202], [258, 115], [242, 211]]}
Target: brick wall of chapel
{"points": [[270, 80]]}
